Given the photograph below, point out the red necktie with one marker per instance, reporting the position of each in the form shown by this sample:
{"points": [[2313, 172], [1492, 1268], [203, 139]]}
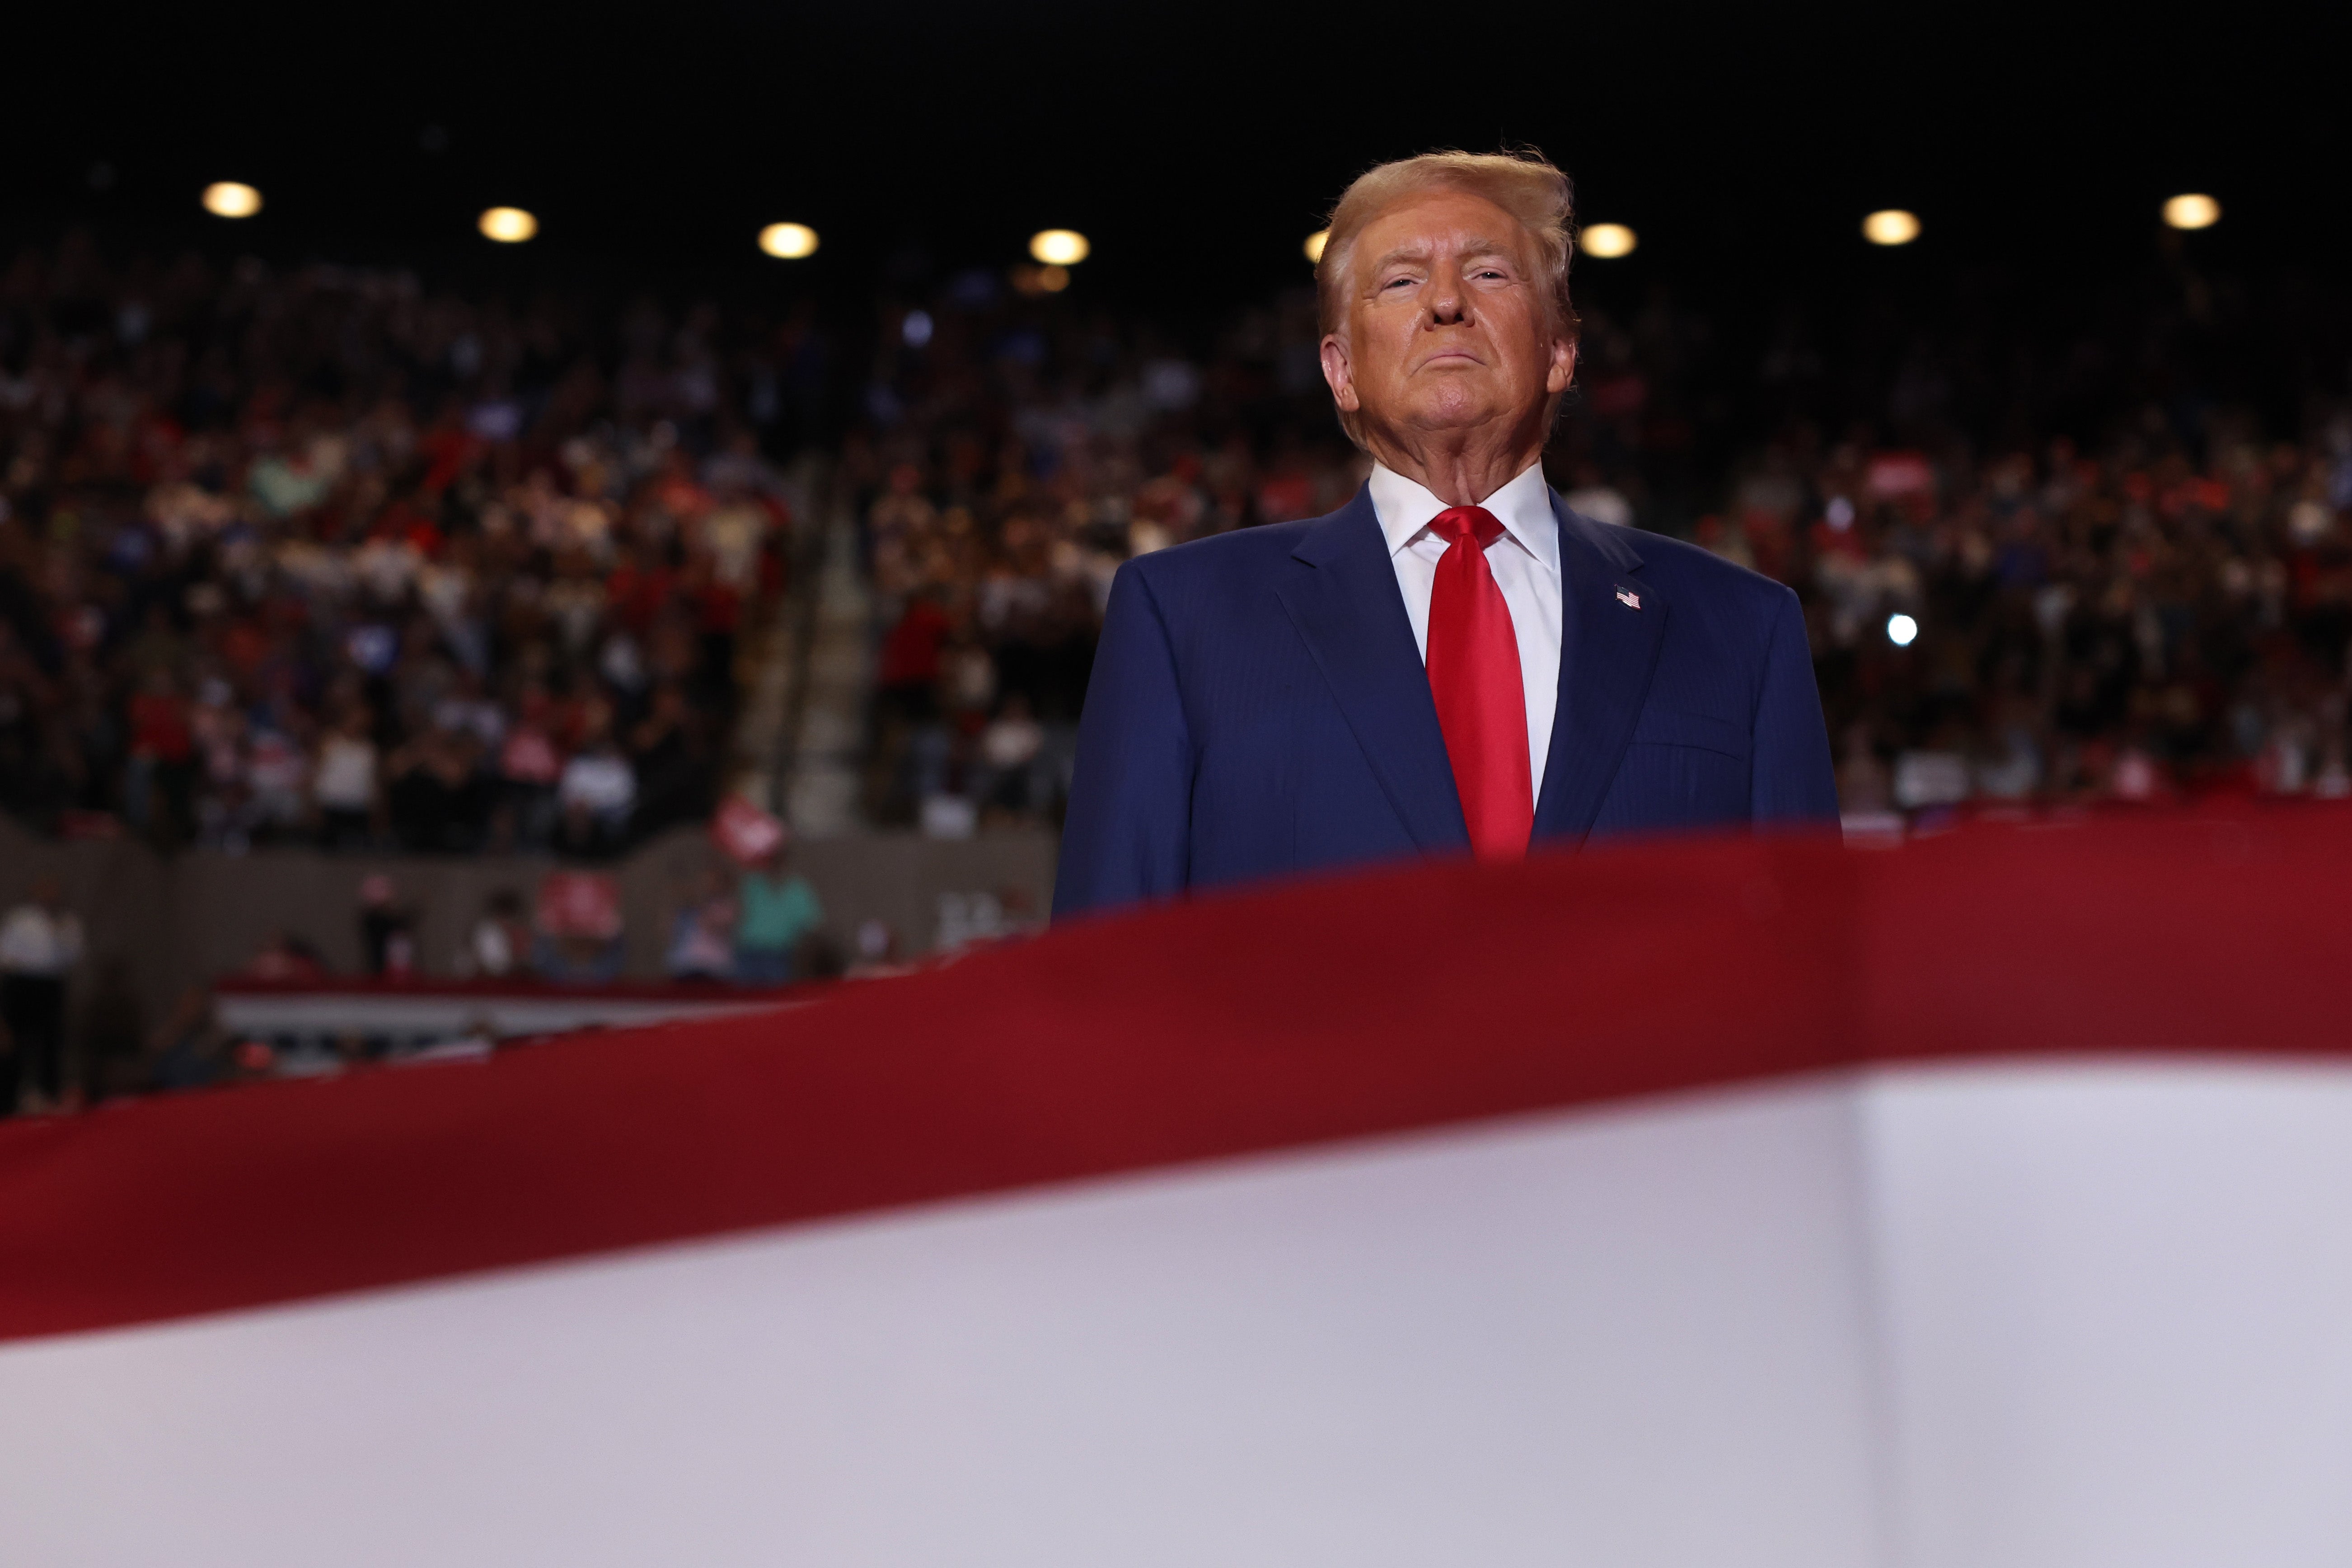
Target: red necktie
{"points": [[1474, 674]]}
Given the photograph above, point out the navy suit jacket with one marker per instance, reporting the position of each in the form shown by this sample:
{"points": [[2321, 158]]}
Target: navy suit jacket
{"points": [[1258, 707]]}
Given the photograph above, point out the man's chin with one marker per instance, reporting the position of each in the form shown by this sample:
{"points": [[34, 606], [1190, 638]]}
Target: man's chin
{"points": [[1450, 415]]}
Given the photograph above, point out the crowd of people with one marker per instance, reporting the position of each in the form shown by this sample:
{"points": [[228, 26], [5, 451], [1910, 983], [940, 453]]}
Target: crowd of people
{"points": [[324, 555], [2092, 557], [321, 555], [1012, 455], [731, 924]]}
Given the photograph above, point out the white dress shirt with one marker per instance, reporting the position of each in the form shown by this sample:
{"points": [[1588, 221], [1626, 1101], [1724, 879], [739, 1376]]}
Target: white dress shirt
{"points": [[1525, 561]]}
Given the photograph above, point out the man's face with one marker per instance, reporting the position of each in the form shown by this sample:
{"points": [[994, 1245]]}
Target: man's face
{"points": [[1446, 322]]}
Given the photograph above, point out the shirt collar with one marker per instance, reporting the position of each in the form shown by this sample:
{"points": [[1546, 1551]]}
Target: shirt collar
{"points": [[1523, 506]]}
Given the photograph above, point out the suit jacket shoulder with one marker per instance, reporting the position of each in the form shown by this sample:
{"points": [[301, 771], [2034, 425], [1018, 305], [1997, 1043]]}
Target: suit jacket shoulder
{"points": [[1220, 557], [1695, 577]]}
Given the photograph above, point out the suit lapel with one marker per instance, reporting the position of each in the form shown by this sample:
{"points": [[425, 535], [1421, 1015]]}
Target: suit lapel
{"points": [[1608, 649], [1350, 611]]}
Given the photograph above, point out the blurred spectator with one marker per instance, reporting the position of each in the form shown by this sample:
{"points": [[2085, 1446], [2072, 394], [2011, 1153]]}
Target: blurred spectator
{"points": [[1012, 781], [580, 935], [877, 956], [500, 943], [439, 797], [670, 762], [744, 833], [967, 918], [530, 767], [387, 929], [156, 794], [595, 795], [579, 959], [40, 942], [777, 910], [250, 1061], [702, 936], [344, 783], [189, 1050]]}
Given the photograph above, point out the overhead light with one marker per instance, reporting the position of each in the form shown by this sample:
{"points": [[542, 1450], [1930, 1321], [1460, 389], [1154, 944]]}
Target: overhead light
{"points": [[916, 328], [1053, 280], [1608, 241], [2193, 211], [228, 198], [1059, 246], [508, 226], [1891, 226], [1901, 629], [1315, 244], [790, 241]]}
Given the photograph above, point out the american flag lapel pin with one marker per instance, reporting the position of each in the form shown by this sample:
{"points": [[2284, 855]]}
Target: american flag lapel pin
{"points": [[1628, 598]]}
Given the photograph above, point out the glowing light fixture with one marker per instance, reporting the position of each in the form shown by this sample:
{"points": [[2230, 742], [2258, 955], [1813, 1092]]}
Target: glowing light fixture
{"points": [[788, 241], [1053, 280], [1608, 241], [229, 198], [508, 226], [1890, 226], [1059, 246], [1315, 243], [2193, 211], [1901, 629]]}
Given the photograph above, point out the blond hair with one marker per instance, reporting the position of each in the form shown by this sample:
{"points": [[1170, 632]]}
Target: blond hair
{"points": [[1523, 183]]}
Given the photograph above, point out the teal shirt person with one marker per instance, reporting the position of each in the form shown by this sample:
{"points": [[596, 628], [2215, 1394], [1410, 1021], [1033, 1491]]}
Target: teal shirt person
{"points": [[778, 907]]}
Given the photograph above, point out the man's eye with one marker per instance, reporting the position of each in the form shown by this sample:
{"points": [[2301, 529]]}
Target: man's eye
{"points": [[1395, 282]]}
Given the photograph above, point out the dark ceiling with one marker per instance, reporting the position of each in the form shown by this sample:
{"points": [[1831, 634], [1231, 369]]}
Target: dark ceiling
{"points": [[1196, 144]]}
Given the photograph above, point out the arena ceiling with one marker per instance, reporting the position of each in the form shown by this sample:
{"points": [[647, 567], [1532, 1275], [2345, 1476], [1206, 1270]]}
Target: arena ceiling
{"points": [[1197, 145]]}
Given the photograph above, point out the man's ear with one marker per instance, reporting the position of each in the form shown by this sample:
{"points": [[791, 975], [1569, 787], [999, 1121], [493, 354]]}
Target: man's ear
{"points": [[1338, 375], [1563, 367]]}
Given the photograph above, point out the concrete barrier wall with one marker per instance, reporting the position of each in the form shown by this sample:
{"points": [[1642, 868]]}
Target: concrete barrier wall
{"points": [[157, 925]]}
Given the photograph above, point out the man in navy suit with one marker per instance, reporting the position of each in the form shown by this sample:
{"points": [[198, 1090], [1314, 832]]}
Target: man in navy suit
{"points": [[1453, 661]]}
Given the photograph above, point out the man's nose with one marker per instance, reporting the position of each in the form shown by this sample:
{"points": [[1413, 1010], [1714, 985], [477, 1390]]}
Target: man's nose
{"points": [[1448, 301]]}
